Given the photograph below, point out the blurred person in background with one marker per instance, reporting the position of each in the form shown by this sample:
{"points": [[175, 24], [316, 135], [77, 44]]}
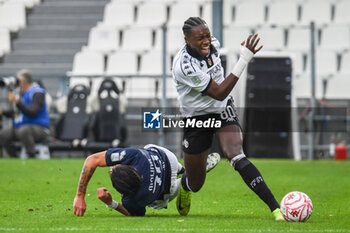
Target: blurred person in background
{"points": [[31, 124]]}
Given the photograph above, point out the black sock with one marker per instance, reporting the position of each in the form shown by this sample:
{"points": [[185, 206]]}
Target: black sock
{"points": [[184, 183], [255, 182], [31, 155]]}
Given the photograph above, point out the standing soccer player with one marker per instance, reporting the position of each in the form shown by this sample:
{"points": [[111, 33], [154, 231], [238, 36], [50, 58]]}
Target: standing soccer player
{"points": [[204, 94]]}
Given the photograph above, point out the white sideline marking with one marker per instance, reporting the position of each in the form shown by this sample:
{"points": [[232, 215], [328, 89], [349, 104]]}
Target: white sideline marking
{"points": [[168, 229]]}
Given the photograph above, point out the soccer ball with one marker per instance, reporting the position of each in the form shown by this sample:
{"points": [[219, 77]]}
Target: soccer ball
{"points": [[296, 207]]}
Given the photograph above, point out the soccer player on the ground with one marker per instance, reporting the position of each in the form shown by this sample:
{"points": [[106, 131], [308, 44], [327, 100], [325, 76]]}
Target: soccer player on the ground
{"points": [[144, 177], [204, 94]]}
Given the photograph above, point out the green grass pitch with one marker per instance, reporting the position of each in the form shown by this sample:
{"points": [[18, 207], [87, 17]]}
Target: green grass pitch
{"points": [[37, 196]]}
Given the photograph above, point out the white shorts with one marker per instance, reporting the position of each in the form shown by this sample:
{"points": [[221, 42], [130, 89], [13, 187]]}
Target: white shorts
{"points": [[174, 183]]}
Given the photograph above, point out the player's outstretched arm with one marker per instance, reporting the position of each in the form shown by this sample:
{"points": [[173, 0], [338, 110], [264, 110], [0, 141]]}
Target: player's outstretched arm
{"points": [[220, 92], [90, 165], [106, 198]]}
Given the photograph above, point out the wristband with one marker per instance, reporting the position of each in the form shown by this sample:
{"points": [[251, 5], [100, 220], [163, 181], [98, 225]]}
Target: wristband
{"points": [[245, 56], [114, 205]]}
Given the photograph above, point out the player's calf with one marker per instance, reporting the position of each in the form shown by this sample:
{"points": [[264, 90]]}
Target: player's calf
{"points": [[254, 180]]}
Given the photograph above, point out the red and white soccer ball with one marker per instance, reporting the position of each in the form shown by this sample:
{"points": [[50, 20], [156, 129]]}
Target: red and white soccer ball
{"points": [[296, 207]]}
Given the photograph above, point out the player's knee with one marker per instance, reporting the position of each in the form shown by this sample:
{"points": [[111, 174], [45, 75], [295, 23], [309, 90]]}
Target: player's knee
{"points": [[232, 151], [195, 188]]}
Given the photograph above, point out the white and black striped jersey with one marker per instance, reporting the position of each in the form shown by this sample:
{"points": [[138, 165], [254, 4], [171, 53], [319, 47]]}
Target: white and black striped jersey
{"points": [[192, 77]]}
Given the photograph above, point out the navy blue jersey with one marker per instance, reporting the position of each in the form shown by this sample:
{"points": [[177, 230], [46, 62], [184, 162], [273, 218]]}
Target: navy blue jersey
{"points": [[154, 169]]}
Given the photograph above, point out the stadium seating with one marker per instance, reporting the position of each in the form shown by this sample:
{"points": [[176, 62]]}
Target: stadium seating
{"points": [[298, 63], [60, 104], [321, 16], [283, 13], [107, 124], [175, 40], [119, 14], [73, 81], [12, 16], [170, 88], [245, 16], [152, 63], [335, 38], [147, 17], [122, 63], [227, 12], [302, 87], [142, 88], [138, 39], [135, 2], [207, 14], [54, 33], [74, 123], [168, 2], [326, 64], [299, 40], [5, 41], [88, 63], [27, 3], [342, 15], [338, 87], [345, 64], [273, 38], [234, 36], [104, 39], [181, 11], [93, 104]]}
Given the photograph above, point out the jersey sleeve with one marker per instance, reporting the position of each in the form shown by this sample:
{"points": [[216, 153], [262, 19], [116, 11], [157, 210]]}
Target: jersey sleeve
{"points": [[189, 73], [118, 155], [133, 208], [216, 43]]}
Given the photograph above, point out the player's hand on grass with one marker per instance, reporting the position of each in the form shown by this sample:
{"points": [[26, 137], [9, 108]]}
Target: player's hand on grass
{"points": [[104, 196], [252, 42], [79, 206]]}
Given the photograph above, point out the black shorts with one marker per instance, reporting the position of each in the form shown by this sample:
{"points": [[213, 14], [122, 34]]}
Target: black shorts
{"points": [[197, 138]]}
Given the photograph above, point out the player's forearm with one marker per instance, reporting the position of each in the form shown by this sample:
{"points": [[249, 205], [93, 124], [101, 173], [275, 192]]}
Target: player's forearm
{"points": [[227, 85], [90, 165], [220, 92], [85, 176], [122, 210]]}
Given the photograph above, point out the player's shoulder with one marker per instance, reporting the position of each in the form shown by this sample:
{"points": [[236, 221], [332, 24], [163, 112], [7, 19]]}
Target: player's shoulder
{"points": [[185, 64], [216, 43], [120, 154]]}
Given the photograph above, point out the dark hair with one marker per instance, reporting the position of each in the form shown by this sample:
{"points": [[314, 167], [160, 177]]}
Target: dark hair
{"points": [[27, 75], [191, 23], [125, 179]]}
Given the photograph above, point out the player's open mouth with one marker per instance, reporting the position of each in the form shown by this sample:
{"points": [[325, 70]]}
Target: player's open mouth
{"points": [[205, 49]]}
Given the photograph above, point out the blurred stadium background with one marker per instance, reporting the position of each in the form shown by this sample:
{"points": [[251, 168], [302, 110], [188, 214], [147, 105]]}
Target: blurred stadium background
{"points": [[72, 46]]}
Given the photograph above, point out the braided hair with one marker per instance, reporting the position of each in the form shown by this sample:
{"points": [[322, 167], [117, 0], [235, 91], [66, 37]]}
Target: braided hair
{"points": [[191, 23]]}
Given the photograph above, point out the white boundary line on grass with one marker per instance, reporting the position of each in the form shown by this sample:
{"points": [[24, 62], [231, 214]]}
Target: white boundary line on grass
{"points": [[167, 229]]}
